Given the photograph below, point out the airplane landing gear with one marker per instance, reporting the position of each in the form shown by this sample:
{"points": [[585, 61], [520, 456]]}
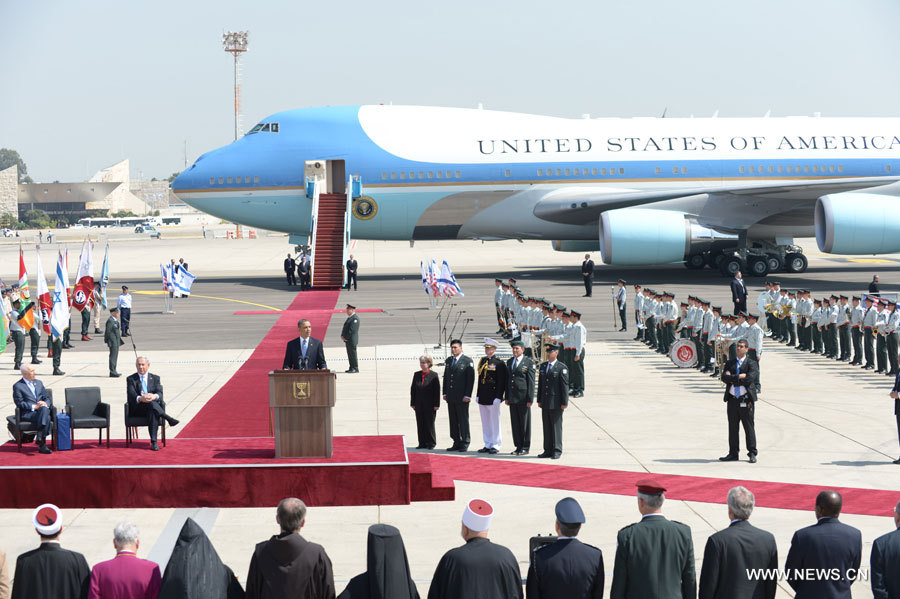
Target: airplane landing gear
{"points": [[763, 258]]}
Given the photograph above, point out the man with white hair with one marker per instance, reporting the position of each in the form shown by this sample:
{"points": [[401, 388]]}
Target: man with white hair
{"points": [[654, 557], [737, 550], [50, 570], [479, 568], [886, 551], [126, 576], [35, 405]]}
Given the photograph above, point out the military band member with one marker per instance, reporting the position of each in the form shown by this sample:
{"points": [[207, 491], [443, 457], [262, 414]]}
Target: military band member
{"points": [[804, 312], [711, 330], [619, 294], [579, 340], [791, 320], [459, 379], [492, 380], [831, 328], [843, 327], [649, 316], [782, 307], [669, 314], [519, 397], [552, 398], [498, 296], [893, 322], [724, 337], [881, 338], [814, 320], [638, 313], [869, 319], [762, 301], [755, 338], [856, 318], [681, 322]]}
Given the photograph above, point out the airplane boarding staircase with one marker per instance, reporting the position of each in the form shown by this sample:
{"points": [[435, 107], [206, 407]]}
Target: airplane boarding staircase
{"points": [[330, 238]]}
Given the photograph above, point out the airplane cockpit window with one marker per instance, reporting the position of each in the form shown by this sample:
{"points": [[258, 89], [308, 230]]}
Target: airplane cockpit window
{"points": [[255, 128], [274, 128], [264, 127]]}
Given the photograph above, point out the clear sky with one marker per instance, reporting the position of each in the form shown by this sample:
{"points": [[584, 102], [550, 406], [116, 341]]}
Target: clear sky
{"points": [[85, 84]]}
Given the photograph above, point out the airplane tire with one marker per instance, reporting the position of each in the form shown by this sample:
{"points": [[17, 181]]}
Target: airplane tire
{"points": [[695, 262], [796, 263], [758, 266], [730, 265]]}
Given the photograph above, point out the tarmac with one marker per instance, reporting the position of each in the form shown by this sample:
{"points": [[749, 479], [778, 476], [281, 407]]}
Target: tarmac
{"points": [[818, 421]]}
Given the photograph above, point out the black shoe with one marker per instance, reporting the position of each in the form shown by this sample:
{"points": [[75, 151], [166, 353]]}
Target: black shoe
{"points": [[483, 450], [753, 459], [454, 448], [868, 367], [524, 451], [171, 421], [555, 456], [97, 331], [544, 455], [126, 334], [622, 330], [578, 394], [462, 448], [351, 371], [16, 366], [420, 447], [897, 461], [493, 451], [516, 452], [44, 449], [114, 375], [68, 346], [58, 372], [35, 361], [728, 458], [154, 446]]}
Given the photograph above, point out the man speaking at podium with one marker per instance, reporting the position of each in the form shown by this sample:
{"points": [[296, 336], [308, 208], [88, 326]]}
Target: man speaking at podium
{"points": [[305, 352]]}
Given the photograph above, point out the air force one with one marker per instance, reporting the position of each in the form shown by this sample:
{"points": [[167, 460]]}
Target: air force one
{"points": [[726, 193]]}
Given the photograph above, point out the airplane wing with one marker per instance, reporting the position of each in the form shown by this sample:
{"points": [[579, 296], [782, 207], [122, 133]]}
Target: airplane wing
{"points": [[577, 205]]}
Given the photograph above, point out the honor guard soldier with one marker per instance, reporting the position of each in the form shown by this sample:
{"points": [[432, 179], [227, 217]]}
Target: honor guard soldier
{"points": [[519, 397], [791, 320], [669, 315], [890, 336], [579, 340], [869, 319], [552, 398], [711, 328], [856, 317], [638, 309], [567, 567], [881, 338], [619, 294], [843, 327], [649, 316], [112, 336], [655, 556], [833, 313], [755, 338], [567, 340], [815, 317], [498, 296], [804, 311], [492, 379], [681, 322], [350, 337], [824, 319]]}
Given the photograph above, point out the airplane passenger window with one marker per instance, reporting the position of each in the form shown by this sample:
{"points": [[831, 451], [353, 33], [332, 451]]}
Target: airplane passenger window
{"points": [[256, 179], [559, 172], [437, 174], [274, 127], [742, 170], [540, 172], [449, 174], [212, 180], [887, 168], [403, 175], [602, 171], [384, 176], [684, 170], [805, 168], [674, 170], [506, 172], [430, 174], [780, 168], [567, 172], [221, 180], [229, 179], [840, 168], [815, 168], [458, 175], [246, 179], [412, 175], [830, 168], [621, 171], [421, 175], [593, 171], [577, 172], [824, 169], [761, 169], [657, 169], [771, 169]]}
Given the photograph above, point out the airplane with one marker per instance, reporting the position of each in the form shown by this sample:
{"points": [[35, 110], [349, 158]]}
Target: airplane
{"points": [[727, 193]]}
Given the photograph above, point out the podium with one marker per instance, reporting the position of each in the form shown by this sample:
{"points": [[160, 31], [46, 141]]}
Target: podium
{"points": [[302, 401]]}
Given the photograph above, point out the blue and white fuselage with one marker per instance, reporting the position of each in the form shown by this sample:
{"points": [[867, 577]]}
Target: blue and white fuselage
{"points": [[449, 173]]}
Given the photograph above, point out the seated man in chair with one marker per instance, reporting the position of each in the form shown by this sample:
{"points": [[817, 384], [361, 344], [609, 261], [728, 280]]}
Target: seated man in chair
{"points": [[32, 400], [145, 398]]}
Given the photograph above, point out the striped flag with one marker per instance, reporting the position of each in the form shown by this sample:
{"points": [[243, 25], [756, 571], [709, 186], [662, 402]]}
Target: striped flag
{"points": [[425, 278], [104, 276], [5, 334], [183, 281], [59, 317], [23, 278], [84, 277], [451, 278], [45, 302], [433, 272]]}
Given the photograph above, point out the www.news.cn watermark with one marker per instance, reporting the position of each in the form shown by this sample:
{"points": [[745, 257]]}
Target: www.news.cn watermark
{"points": [[808, 574]]}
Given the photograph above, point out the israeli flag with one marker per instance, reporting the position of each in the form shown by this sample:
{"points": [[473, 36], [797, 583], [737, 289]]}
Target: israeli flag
{"points": [[59, 317], [183, 281], [104, 277]]}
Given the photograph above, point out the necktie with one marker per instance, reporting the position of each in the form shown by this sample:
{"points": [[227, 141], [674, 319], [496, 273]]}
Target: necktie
{"points": [[143, 383], [452, 361], [515, 363], [303, 347]]}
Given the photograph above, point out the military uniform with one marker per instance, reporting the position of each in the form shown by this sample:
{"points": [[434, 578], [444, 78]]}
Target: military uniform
{"points": [[350, 336], [620, 296], [519, 396], [638, 313], [459, 379], [492, 380], [578, 341], [856, 332], [553, 397], [881, 341], [893, 322], [113, 339], [816, 345], [869, 318]]}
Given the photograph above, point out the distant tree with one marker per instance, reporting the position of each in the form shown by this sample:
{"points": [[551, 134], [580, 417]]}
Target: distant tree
{"points": [[173, 176], [122, 214], [154, 179], [154, 213], [37, 219], [9, 158], [8, 220]]}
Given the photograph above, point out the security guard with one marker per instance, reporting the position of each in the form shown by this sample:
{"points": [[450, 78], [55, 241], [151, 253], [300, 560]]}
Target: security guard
{"points": [[568, 567], [520, 396], [553, 398], [113, 339], [350, 337], [579, 339]]}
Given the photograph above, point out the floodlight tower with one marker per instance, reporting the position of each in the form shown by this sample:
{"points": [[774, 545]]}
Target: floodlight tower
{"points": [[235, 43]]}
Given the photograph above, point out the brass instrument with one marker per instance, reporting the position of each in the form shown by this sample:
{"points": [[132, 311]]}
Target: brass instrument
{"points": [[771, 308], [786, 311]]}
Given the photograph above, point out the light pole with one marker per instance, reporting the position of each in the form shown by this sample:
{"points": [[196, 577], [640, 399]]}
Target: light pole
{"points": [[235, 43]]}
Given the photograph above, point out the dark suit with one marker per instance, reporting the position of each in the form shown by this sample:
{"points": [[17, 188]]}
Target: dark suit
{"points": [[304, 273], [827, 544], [896, 389], [654, 558], [25, 401], [885, 573], [459, 379], [587, 273], [729, 554], [520, 396], [51, 571], [567, 568], [552, 395], [315, 355], [289, 267], [351, 273], [425, 398], [154, 410], [739, 295], [738, 415], [350, 335]]}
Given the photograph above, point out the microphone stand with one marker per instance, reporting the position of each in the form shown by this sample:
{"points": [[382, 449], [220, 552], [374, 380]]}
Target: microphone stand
{"points": [[458, 316], [465, 324], [440, 312]]}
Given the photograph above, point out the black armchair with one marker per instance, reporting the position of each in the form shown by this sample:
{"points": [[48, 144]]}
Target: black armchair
{"points": [[132, 422], [85, 410], [20, 428]]}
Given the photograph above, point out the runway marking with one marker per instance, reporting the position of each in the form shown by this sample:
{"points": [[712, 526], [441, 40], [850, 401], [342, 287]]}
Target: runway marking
{"points": [[221, 299], [869, 260]]}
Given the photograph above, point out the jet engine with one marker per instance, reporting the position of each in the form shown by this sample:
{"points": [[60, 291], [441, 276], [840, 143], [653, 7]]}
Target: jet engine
{"points": [[858, 223], [635, 236], [569, 245]]}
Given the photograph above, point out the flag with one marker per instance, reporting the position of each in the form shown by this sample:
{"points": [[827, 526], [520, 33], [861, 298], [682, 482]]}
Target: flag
{"points": [[84, 277], [23, 278], [5, 334], [425, 278], [183, 280], [433, 271], [451, 279], [66, 274], [167, 282], [25, 315], [59, 317], [45, 303], [104, 276]]}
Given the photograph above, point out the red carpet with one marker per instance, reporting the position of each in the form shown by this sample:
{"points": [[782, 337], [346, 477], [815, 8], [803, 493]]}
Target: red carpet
{"points": [[867, 502], [240, 407], [239, 472]]}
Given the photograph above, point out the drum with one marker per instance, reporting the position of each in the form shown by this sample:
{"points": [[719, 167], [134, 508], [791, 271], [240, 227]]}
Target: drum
{"points": [[683, 353]]}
